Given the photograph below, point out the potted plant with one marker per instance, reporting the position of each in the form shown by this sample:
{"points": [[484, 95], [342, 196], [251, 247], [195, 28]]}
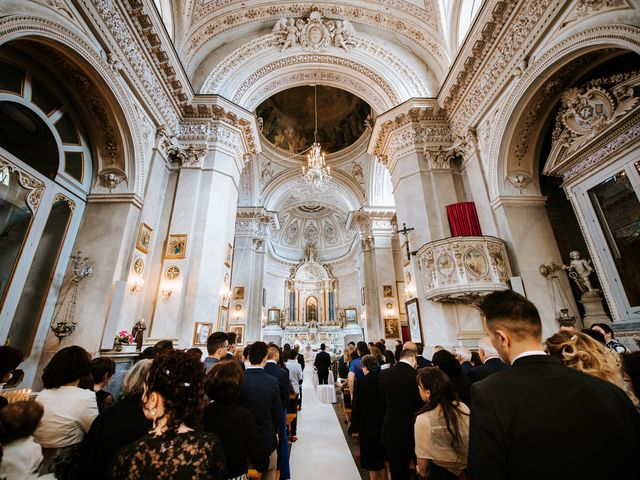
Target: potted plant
{"points": [[124, 341]]}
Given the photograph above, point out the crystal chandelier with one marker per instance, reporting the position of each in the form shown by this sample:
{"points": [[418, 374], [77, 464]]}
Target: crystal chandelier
{"points": [[316, 174]]}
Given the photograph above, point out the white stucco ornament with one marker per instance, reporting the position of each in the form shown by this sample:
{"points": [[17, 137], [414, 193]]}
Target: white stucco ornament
{"points": [[314, 33]]}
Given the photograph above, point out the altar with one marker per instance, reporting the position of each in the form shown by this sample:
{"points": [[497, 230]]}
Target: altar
{"points": [[331, 336]]}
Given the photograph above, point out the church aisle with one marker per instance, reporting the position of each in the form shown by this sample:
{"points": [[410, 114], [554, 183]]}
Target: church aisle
{"points": [[321, 451]]}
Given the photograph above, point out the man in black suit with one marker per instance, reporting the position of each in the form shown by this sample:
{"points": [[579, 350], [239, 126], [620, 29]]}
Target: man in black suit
{"points": [[322, 363], [418, 349], [491, 362], [232, 336], [541, 419], [279, 373], [400, 392], [261, 395]]}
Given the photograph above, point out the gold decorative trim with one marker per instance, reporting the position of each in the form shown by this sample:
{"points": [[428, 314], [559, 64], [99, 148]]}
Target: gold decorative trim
{"points": [[63, 198]]}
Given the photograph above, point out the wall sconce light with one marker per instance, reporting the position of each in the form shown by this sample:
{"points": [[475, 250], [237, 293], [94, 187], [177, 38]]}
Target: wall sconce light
{"points": [[167, 292], [137, 285]]}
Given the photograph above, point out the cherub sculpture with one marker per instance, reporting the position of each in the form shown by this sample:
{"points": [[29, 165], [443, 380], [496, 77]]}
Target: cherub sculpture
{"points": [[579, 270]]}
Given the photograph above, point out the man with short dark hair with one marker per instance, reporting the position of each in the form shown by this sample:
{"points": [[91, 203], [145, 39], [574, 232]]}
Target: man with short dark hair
{"points": [[217, 344], [400, 390], [610, 340], [420, 358], [261, 395], [322, 364], [540, 407], [233, 337]]}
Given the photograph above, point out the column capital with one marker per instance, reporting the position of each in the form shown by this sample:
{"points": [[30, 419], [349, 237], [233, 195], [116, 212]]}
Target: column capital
{"points": [[362, 222], [412, 127]]}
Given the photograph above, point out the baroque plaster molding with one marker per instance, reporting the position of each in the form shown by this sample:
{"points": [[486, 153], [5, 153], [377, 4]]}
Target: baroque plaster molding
{"points": [[623, 35], [272, 12], [313, 58], [522, 201]]}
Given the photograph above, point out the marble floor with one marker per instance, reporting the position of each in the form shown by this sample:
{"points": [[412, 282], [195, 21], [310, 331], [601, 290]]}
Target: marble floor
{"points": [[321, 452]]}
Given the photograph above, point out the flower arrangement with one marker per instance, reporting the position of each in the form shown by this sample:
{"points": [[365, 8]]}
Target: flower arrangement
{"points": [[124, 338]]}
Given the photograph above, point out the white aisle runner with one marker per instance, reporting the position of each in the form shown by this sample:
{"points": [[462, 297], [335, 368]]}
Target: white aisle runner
{"points": [[321, 452]]}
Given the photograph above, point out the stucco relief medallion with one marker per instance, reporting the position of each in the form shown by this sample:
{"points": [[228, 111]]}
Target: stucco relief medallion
{"points": [[138, 266], [446, 265], [172, 272], [476, 263]]}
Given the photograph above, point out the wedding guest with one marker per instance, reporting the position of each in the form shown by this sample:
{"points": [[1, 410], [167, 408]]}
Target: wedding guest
{"points": [[398, 387], [234, 424], [102, 369], [475, 359], [295, 376], [21, 455], [217, 345], [195, 352], [491, 361], [610, 340], [390, 359], [442, 427], [10, 358], [567, 326], [539, 403], [355, 369], [122, 423], [260, 395], [422, 360], [631, 372], [367, 416], [446, 362], [583, 353], [149, 353], [164, 345], [343, 362], [69, 411], [173, 448], [463, 356]]}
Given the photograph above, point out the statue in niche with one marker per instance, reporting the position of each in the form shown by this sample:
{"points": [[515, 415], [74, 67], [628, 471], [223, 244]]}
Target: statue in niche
{"points": [[356, 171], [310, 253], [579, 270]]}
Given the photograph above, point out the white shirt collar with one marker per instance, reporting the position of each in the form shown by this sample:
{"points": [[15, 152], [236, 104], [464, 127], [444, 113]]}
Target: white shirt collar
{"points": [[529, 353], [490, 357], [406, 361], [271, 361], [255, 367]]}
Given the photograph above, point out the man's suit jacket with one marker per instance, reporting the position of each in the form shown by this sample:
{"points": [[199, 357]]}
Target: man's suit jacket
{"points": [[282, 376], [465, 367], [261, 395], [400, 392], [491, 366], [300, 359], [322, 362], [543, 420], [423, 362], [229, 356]]}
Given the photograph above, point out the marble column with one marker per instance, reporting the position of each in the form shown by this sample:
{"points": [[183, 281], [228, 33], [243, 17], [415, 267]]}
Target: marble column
{"points": [[194, 282], [415, 143], [374, 327]]}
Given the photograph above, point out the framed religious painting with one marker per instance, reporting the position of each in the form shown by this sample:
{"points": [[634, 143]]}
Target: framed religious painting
{"points": [[273, 316], [228, 255], [238, 293], [201, 333], [413, 318], [403, 298], [350, 315], [387, 291], [143, 242], [391, 328], [223, 317], [176, 246], [239, 331]]}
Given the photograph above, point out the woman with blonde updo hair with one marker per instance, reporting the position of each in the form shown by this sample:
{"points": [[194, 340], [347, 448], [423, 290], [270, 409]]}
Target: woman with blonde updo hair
{"points": [[583, 353]]}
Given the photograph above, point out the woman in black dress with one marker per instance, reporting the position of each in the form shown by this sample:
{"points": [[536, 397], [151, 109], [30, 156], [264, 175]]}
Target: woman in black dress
{"points": [[234, 424], [367, 415], [172, 449]]}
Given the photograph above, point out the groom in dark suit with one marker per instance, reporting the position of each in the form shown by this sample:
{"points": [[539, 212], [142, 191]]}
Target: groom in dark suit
{"points": [[322, 363], [541, 419]]}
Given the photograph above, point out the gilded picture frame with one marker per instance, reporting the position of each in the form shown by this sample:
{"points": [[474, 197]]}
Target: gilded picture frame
{"points": [[223, 317], [143, 240], [201, 333], [273, 316], [391, 328], [176, 246], [413, 319], [239, 331], [238, 293], [350, 316]]}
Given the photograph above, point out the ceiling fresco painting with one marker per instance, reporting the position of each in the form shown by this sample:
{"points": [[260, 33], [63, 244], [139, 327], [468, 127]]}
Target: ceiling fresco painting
{"points": [[288, 118]]}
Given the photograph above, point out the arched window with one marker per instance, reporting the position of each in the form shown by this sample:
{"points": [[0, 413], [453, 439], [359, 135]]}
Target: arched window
{"points": [[45, 175]]}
